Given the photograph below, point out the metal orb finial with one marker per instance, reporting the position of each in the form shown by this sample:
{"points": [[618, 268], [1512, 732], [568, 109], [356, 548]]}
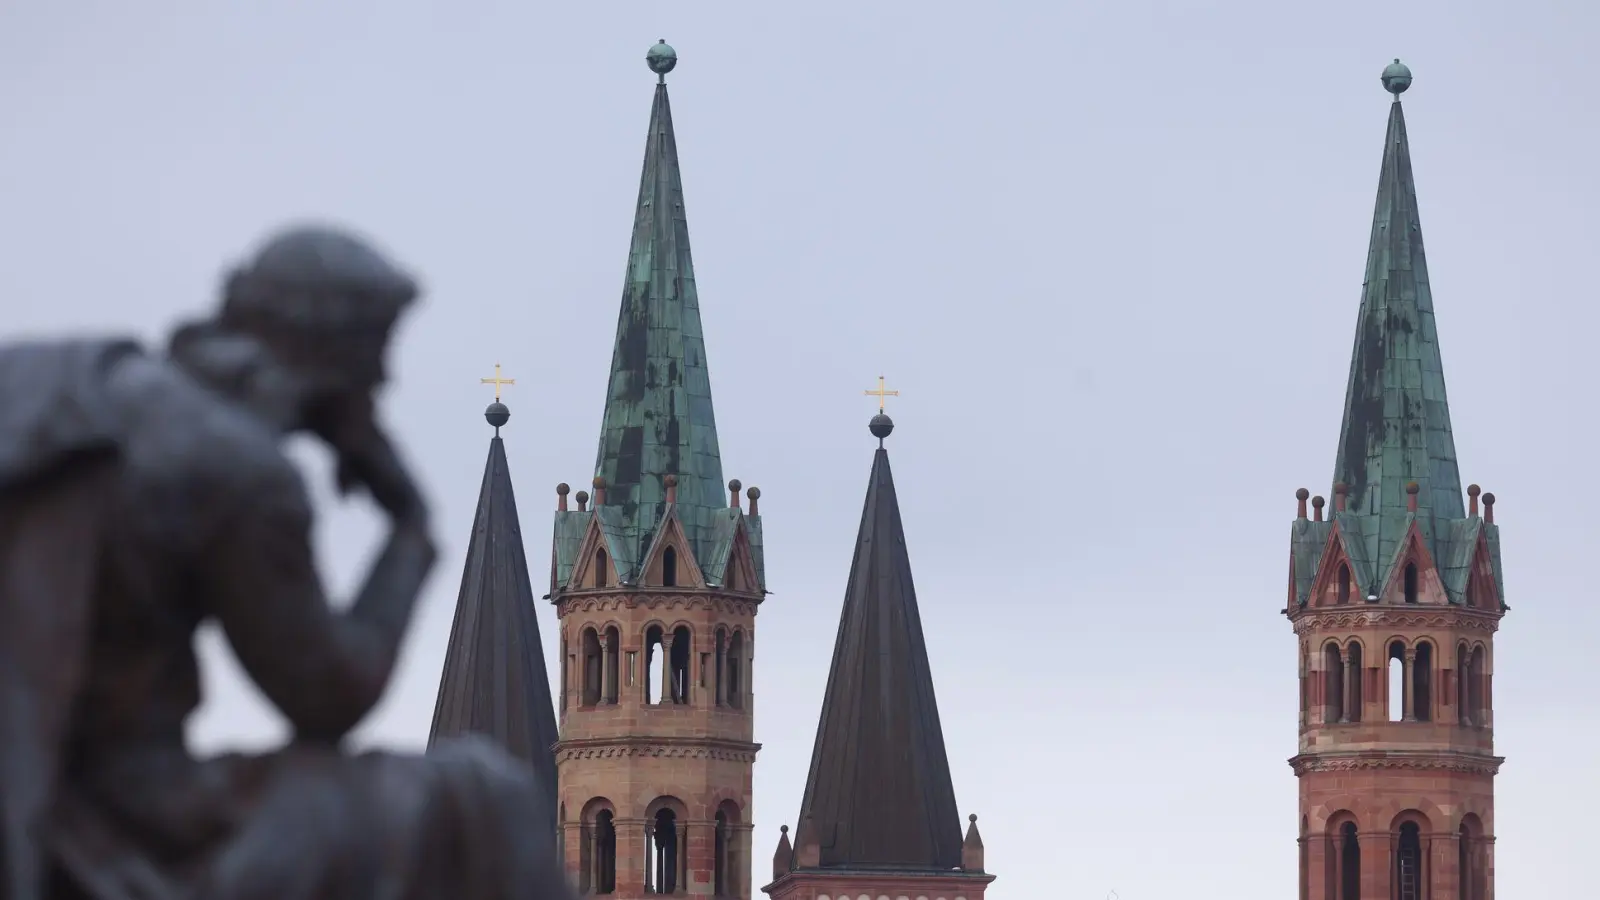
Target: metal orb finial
{"points": [[1396, 78], [497, 414], [880, 426], [662, 58]]}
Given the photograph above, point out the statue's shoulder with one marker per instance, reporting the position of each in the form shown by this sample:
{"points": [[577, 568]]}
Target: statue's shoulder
{"points": [[56, 403], [185, 438]]}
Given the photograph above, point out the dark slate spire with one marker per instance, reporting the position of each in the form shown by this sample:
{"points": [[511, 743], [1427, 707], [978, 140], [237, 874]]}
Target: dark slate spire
{"points": [[494, 680], [1396, 420], [658, 419], [879, 793]]}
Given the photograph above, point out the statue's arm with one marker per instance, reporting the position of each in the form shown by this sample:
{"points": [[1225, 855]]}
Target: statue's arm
{"points": [[323, 669]]}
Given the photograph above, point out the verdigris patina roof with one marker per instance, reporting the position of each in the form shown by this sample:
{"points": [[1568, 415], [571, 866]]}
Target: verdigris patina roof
{"points": [[658, 415], [1396, 426]]}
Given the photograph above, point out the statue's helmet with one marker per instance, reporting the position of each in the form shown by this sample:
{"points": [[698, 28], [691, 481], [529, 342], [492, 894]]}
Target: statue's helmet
{"points": [[321, 299]]}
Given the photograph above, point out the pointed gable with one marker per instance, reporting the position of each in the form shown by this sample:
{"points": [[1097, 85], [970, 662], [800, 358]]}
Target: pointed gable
{"points": [[879, 792], [494, 681]]}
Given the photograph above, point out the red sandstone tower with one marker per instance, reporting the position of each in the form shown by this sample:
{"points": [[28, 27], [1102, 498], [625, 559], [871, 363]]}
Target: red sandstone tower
{"points": [[656, 587], [1395, 597]]}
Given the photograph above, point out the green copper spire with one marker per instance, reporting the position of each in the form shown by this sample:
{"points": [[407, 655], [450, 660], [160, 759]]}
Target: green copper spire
{"points": [[658, 419], [1396, 427]]}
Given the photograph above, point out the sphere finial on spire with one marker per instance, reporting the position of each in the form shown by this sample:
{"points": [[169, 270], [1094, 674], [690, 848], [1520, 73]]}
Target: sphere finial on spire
{"points": [[1396, 78], [881, 426], [661, 58], [498, 414]]}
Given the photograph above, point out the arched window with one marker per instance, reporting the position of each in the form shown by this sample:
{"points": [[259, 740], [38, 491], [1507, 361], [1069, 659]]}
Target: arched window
{"points": [[735, 670], [682, 643], [669, 567], [721, 657], [1353, 692], [561, 835], [664, 854], [1349, 863], [652, 656], [597, 857], [1476, 699], [719, 858], [1471, 876], [1397, 681], [1411, 582], [1344, 583], [613, 667], [592, 667], [602, 569], [1333, 684], [1422, 683], [1305, 684], [564, 666], [1408, 863], [725, 851]]}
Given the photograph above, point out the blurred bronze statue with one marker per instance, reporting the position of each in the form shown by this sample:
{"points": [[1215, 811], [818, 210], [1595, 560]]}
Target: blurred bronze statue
{"points": [[143, 495]]}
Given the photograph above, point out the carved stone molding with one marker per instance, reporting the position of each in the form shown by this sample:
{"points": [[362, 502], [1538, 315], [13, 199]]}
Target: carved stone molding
{"points": [[614, 600], [1345, 619], [1471, 765], [623, 748]]}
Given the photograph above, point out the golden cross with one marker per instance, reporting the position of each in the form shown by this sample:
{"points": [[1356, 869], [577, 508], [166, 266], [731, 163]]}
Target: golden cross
{"points": [[497, 381], [881, 393]]}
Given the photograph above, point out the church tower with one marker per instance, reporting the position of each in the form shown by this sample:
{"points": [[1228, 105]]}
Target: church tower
{"points": [[879, 816], [656, 578], [1395, 598]]}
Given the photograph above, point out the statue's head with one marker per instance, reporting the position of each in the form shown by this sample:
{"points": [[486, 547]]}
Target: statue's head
{"points": [[324, 303]]}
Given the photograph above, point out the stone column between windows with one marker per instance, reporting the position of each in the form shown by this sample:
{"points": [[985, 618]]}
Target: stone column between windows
{"points": [[1444, 878], [1483, 862], [1408, 700], [1377, 864], [1317, 879], [666, 667]]}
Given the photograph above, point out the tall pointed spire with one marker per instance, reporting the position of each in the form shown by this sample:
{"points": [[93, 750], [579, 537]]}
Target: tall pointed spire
{"points": [[658, 418], [879, 792], [1396, 429], [494, 681]]}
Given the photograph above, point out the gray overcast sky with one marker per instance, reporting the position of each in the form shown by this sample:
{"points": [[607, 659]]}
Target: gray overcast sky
{"points": [[1111, 253]]}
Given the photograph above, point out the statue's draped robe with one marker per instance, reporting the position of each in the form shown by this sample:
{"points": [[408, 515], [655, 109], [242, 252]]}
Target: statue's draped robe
{"points": [[118, 478]]}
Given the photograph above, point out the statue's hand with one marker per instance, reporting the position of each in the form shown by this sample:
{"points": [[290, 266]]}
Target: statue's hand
{"points": [[375, 465], [367, 459]]}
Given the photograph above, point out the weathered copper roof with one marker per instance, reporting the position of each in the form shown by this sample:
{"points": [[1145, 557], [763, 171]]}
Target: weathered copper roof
{"points": [[879, 793], [494, 680], [1396, 419], [658, 418]]}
